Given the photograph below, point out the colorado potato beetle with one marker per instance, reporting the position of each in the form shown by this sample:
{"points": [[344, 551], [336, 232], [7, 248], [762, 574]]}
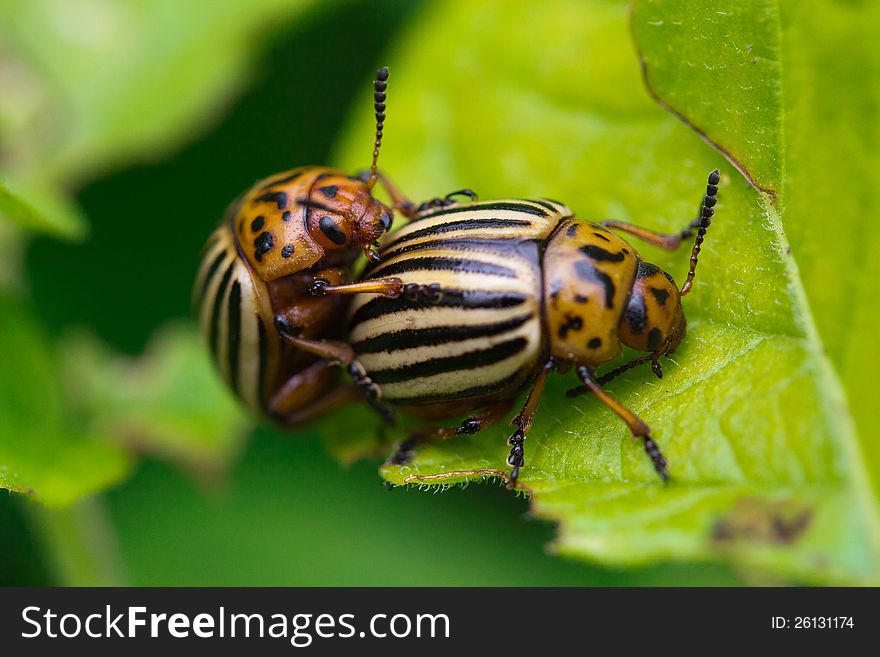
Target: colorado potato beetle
{"points": [[516, 289], [275, 343]]}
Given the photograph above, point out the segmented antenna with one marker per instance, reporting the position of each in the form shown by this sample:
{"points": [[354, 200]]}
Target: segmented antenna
{"points": [[702, 224], [379, 86]]}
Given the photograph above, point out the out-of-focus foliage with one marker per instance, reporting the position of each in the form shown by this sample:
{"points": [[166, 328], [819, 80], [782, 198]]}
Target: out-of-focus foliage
{"points": [[94, 85], [43, 452], [168, 402], [105, 81], [41, 211], [765, 461]]}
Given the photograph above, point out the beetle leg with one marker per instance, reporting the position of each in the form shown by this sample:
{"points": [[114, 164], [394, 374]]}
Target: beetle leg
{"points": [[398, 201], [636, 425], [371, 392], [480, 420], [291, 406], [389, 287], [340, 353], [446, 201], [670, 242], [523, 422]]}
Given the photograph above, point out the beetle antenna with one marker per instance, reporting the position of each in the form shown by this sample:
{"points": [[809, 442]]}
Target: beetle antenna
{"points": [[702, 224], [380, 84]]}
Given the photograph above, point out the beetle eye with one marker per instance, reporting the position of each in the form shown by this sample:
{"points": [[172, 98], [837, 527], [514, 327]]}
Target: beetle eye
{"points": [[331, 230]]}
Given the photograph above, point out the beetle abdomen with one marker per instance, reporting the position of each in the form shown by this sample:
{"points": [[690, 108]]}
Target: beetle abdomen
{"points": [[236, 319], [483, 336]]}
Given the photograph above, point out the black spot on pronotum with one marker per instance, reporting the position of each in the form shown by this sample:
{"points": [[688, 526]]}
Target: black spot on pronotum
{"points": [[329, 190], [287, 251], [572, 323], [595, 343], [580, 298], [654, 338], [661, 295], [588, 272], [636, 314], [258, 223], [598, 253], [331, 230], [286, 215], [262, 245], [572, 230], [280, 198]]}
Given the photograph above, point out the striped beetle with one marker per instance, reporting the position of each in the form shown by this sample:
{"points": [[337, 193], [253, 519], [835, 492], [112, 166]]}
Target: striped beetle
{"points": [[497, 295], [276, 343]]}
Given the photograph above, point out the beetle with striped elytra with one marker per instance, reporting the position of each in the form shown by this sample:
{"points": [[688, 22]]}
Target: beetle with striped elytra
{"points": [[508, 292], [276, 344]]}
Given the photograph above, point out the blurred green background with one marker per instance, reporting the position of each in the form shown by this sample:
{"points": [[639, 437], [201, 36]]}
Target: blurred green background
{"points": [[127, 127]]}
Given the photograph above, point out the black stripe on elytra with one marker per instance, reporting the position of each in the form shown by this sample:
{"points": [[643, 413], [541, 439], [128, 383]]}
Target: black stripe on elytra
{"points": [[500, 245], [543, 204], [215, 265], [441, 263], [600, 236], [264, 356], [279, 198], [476, 391], [451, 299], [234, 312], [589, 273], [466, 361], [491, 205], [467, 224], [427, 337], [218, 301], [599, 254], [281, 181]]}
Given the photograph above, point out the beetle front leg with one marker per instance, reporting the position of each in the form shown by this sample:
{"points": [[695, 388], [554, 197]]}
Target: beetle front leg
{"points": [[388, 287], [636, 425], [392, 288]]}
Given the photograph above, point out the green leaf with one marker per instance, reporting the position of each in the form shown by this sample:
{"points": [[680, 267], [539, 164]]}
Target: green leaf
{"points": [[813, 153], [41, 210], [168, 402], [41, 452], [549, 101], [100, 82]]}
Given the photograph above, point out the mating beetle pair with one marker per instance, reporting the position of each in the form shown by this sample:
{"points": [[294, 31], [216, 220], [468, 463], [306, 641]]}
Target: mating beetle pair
{"points": [[460, 311]]}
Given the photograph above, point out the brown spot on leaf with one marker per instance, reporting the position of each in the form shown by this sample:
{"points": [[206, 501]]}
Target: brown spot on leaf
{"points": [[753, 519]]}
